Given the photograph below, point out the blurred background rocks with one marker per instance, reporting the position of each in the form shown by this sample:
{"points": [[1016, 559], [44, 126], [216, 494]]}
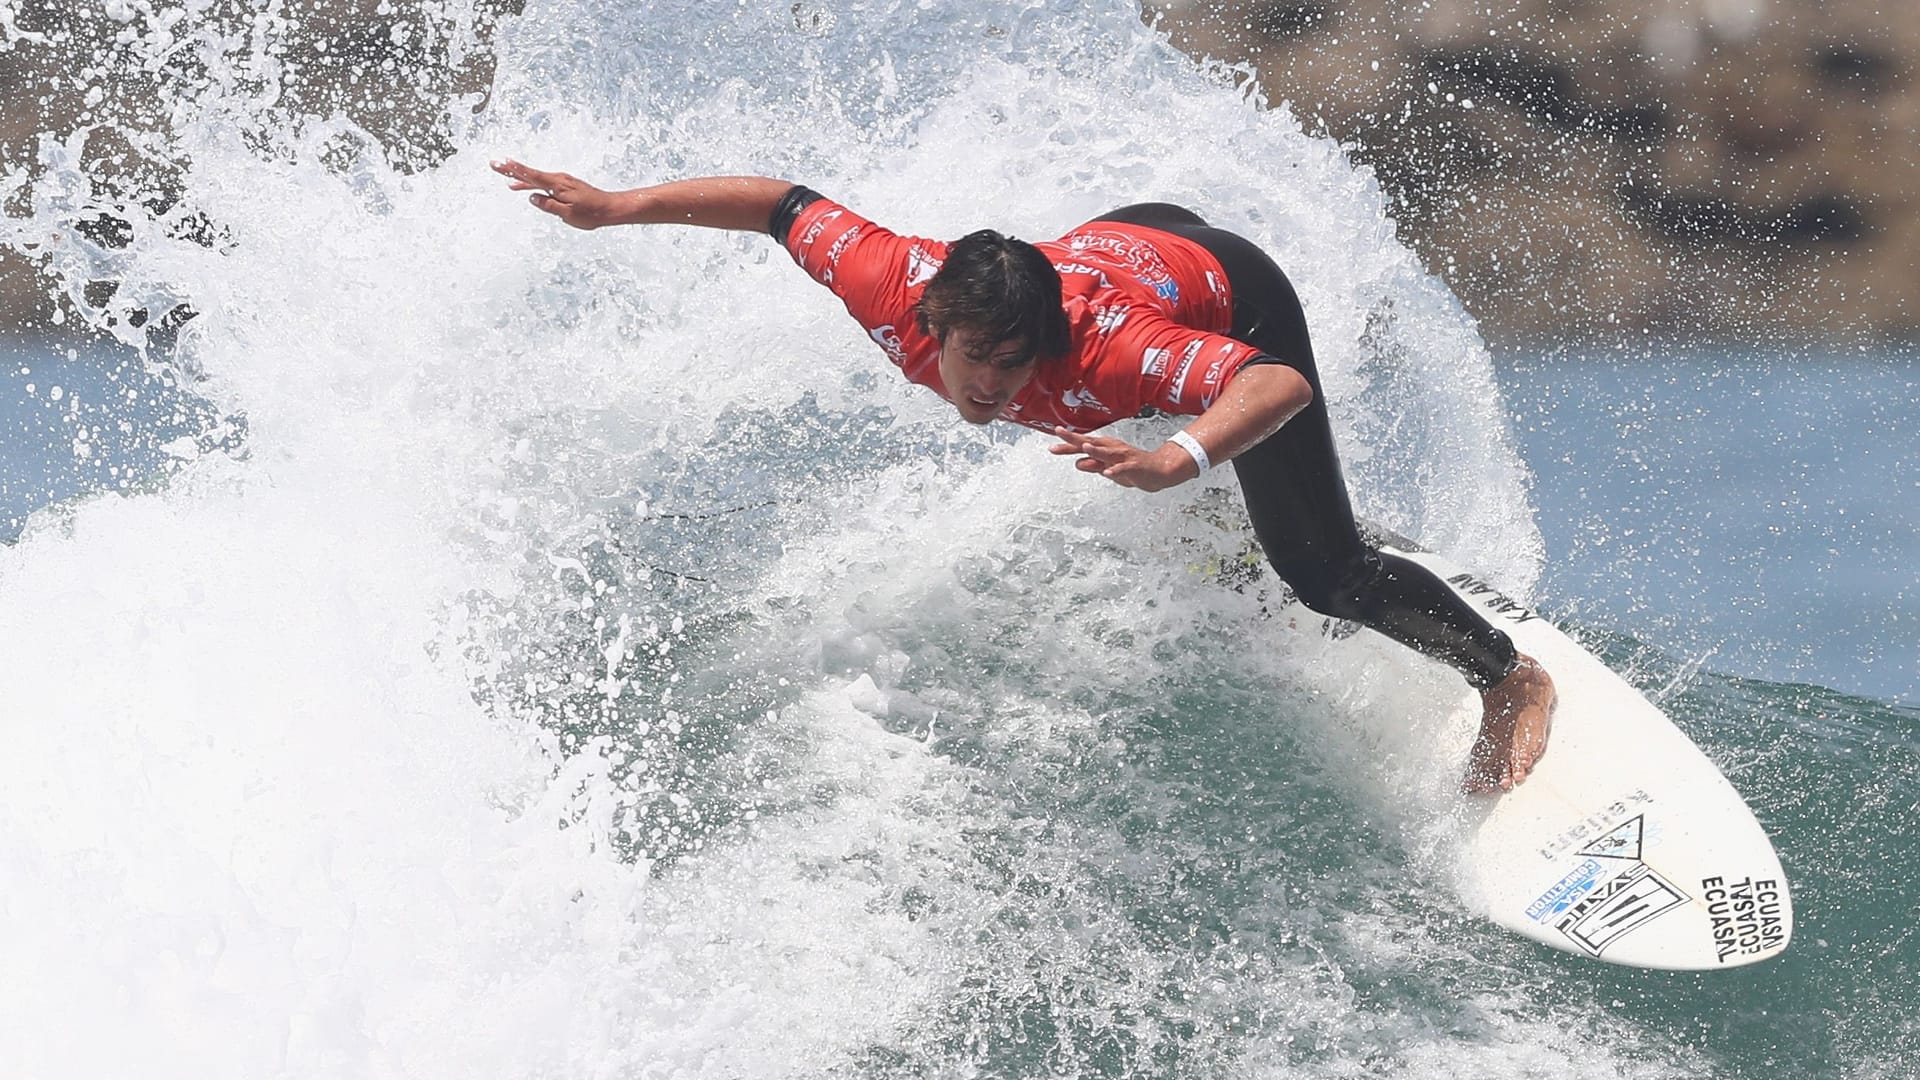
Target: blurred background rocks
{"points": [[397, 69], [1577, 170], [1711, 170]]}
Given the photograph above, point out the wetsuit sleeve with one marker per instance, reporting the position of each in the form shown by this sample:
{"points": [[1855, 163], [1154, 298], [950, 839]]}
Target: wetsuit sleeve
{"points": [[797, 198], [1180, 369], [865, 265]]}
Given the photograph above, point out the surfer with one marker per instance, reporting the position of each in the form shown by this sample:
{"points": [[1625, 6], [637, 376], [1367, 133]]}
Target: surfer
{"points": [[1147, 308]]}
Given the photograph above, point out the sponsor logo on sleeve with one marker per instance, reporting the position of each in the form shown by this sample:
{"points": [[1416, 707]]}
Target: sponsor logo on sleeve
{"points": [[1748, 917], [1187, 357], [1079, 398], [1107, 318], [1216, 373], [840, 246], [887, 338], [1153, 362], [819, 226], [1138, 256], [1083, 269], [921, 266]]}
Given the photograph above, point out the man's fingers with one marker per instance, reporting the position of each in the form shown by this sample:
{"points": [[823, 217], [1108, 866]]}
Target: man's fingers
{"points": [[526, 179], [1113, 459], [512, 168], [1079, 444]]}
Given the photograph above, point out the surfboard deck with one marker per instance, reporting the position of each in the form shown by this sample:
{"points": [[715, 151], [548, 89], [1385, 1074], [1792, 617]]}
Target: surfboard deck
{"points": [[1625, 843]]}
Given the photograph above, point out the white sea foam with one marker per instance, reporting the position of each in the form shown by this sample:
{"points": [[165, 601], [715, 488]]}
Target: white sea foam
{"points": [[428, 736]]}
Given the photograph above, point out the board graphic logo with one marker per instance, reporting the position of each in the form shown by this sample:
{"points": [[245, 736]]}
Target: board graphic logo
{"points": [[1566, 891], [1490, 597], [1601, 822], [1748, 917], [1619, 907], [1622, 843]]}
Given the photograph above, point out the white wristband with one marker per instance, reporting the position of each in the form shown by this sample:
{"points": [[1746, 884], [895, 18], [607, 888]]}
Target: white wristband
{"points": [[1193, 448]]}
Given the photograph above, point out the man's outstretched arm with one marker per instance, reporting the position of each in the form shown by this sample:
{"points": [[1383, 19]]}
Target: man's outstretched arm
{"points": [[741, 203]]}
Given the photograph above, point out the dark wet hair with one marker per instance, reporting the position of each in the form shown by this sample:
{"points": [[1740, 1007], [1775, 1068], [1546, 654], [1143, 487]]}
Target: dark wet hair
{"points": [[1002, 288]]}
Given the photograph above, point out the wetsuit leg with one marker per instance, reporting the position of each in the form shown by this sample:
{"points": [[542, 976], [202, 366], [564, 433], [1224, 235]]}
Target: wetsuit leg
{"points": [[1297, 498]]}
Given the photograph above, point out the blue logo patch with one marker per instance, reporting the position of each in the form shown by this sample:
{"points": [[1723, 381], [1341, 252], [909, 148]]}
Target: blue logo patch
{"points": [[1567, 891]]}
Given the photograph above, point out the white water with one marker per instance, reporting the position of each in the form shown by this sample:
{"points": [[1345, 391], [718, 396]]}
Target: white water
{"points": [[400, 745]]}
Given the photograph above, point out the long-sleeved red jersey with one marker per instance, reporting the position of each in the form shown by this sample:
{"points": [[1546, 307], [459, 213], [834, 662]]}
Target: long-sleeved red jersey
{"points": [[1147, 311]]}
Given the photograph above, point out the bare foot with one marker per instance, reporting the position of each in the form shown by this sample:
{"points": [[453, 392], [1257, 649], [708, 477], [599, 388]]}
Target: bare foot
{"points": [[1513, 730]]}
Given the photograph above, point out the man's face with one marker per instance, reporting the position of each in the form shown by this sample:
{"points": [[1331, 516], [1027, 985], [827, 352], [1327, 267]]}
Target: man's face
{"points": [[981, 376]]}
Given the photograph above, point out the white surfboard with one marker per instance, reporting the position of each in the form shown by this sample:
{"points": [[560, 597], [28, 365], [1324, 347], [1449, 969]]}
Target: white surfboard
{"points": [[1625, 843]]}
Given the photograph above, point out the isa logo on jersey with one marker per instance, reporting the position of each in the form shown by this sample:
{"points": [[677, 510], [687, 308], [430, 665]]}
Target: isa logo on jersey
{"points": [[819, 226], [1216, 374]]}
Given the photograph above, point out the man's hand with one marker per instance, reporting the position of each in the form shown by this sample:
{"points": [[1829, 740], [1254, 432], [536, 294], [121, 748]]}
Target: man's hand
{"points": [[1126, 464], [568, 198]]}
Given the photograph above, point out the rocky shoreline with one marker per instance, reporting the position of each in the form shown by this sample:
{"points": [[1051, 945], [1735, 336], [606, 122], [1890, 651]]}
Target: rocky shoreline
{"points": [[1733, 170], [68, 65]]}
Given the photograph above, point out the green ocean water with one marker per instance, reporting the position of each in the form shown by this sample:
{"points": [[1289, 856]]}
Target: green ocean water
{"points": [[1186, 882], [1163, 866]]}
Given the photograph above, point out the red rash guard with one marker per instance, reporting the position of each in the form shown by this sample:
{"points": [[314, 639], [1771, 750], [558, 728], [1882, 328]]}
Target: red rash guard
{"points": [[1147, 311]]}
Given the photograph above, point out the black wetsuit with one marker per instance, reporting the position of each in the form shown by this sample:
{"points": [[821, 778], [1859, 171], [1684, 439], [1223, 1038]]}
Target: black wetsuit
{"points": [[1296, 495]]}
